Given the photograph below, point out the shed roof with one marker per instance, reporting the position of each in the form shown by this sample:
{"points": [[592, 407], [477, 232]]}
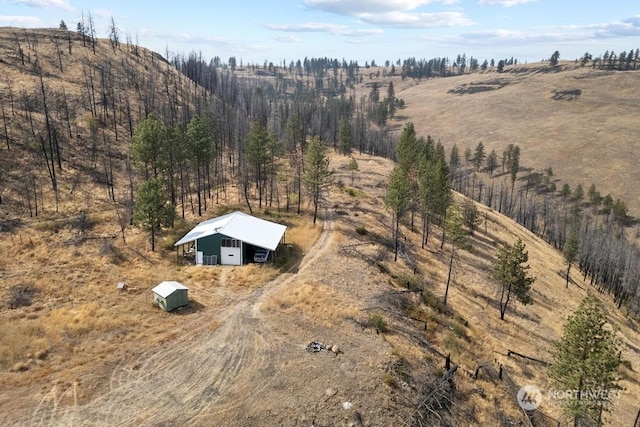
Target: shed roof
{"points": [[238, 225], [166, 288]]}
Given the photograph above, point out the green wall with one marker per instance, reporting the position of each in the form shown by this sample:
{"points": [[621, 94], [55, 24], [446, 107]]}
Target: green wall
{"points": [[210, 245], [177, 299]]}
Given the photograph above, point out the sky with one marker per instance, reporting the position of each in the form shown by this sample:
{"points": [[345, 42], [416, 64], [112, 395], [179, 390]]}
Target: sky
{"points": [[259, 31]]}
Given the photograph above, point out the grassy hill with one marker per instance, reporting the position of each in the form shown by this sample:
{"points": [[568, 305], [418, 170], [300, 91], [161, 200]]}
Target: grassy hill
{"points": [[581, 122], [83, 352]]}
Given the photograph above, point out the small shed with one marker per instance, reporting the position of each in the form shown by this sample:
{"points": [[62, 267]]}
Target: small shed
{"points": [[170, 295]]}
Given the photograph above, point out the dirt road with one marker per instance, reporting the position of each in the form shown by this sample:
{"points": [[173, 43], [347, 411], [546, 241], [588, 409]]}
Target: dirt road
{"points": [[217, 362]]}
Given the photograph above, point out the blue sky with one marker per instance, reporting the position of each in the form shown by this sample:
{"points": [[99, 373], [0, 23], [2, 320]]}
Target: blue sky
{"points": [[362, 30]]}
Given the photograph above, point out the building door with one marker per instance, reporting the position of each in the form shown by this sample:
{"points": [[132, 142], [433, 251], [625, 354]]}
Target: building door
{"points": [[231, 252]]}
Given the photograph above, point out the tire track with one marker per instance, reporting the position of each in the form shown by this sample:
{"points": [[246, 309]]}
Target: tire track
{"points": [[209, 369]]}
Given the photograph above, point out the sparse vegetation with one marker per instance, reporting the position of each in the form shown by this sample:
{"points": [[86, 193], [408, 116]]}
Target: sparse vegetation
{"points": [[78, 326], [20, 296], [378, 322]]}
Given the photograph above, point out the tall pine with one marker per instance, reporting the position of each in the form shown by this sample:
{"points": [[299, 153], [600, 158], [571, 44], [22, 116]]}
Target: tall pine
{"points": [[585, 363]]}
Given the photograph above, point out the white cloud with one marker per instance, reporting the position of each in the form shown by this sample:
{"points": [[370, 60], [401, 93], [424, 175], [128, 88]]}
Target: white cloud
{"points": [[320, 27], [287, 38], [629, 27], [102, 13], [21, 21], [417, 20], [504, 3], [55, 4], [393, 13], [354, 7]]}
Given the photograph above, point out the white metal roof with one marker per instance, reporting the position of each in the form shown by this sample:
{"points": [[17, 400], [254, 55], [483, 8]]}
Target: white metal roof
{"points": [[164, 289], [238, 225]]}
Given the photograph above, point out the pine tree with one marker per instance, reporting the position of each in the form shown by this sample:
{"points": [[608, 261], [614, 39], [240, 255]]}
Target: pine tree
{"points": [[570, 250], [318, 178], [353, 167], [492, 162], [200, 153], [345, 137], [585, 363], [509, 270], [457, 235], [479, 155], [407, 148], [397, 199], [152, 210], [147, 143], [261, 149]]}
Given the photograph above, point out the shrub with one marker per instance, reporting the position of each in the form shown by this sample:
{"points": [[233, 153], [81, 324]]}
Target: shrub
{"points": [[409, 281], [460, 331], [432, 301], [21, 296], [378, 322], [388, 379], [361, 230]]}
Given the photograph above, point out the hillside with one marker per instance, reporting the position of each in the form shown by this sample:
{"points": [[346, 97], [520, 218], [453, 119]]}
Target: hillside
{"points": [[100, 356], [579, 121], [79, 351]]}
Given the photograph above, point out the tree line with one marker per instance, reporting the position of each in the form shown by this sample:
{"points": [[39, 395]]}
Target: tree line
{"points": [[587, 227]]}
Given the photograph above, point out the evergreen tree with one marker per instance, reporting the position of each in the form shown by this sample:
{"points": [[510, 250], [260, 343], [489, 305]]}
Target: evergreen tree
{"points": [[152, 210], [345, 137], [553, 61], [585, 363], [391, 100], [594, 197], [317, 178], [509, 270], [457, 236], [492, 162], [397, 199], [570, 249], [479, 156], [407, 148], [454, 159], [578, 193], [147, 145], [200, 152], [353, 167], [565, 192], [261, 149]]}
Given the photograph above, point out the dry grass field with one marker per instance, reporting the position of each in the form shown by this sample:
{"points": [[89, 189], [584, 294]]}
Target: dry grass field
{"points": [[85, 353], [589, 138]]}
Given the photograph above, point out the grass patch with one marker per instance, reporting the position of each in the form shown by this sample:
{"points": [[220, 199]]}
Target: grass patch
{"points": [[408, 281], [353, 192], [321, 303], [452, 343], [432, 301], [460, 331], [378, 321], [20, 339]]}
